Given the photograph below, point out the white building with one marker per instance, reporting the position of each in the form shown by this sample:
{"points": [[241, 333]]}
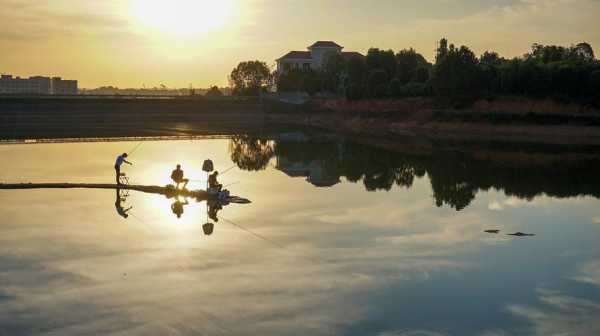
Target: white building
{"points": [[313, 58]]}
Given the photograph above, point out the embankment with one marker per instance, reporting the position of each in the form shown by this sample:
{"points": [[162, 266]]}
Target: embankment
{"points": [[27, 118], [503, 120]]}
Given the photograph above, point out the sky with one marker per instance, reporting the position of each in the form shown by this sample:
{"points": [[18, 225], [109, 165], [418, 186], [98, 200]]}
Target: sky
{"points": [[178, 43]]}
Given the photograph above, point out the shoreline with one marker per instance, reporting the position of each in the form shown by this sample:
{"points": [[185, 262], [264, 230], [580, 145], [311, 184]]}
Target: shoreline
{"points": [[529, 121]]}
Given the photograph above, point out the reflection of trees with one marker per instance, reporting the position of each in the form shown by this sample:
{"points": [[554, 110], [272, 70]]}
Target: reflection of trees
{"points": [[250, 153], [455, 178]]}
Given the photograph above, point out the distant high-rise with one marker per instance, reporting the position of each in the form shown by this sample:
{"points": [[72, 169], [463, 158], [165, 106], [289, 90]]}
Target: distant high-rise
{"points": [[37, 85]]}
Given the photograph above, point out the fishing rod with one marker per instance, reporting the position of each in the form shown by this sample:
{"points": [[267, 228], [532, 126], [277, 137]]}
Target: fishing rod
{"points": [[135, 148]]}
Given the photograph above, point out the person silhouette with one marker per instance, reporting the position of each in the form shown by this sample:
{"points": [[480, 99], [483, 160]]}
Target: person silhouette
{"points": [[177, 177], [213, 208], [213, 183], [120, 210], [120, 160], [177, 207]]}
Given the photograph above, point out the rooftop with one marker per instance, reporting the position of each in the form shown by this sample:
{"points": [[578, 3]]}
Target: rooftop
{"points": [[325, 44], [297, 55]]}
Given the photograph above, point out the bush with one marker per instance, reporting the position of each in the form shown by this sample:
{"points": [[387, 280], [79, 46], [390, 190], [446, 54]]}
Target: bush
{"points": [[395, 88], [354, 92], [377, 84]]}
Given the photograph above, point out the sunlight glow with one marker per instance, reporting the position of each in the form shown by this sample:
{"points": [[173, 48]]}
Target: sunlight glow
{"points": [[182, 17]]}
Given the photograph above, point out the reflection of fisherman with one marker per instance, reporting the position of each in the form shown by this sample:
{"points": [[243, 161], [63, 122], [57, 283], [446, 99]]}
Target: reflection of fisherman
{"points": [[213, 183], [122, 212], [213, 209], [177, 207], [177, 176], [120, 160]]}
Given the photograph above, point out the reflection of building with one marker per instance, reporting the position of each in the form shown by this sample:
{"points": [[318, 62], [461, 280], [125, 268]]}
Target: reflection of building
{"points": [[37, 85], [313, 171], [313, 58]]}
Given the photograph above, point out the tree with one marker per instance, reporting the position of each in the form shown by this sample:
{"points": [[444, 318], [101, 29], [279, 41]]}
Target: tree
{"points": [[408, 61], [382, 60], [213, 92], [442, 50], [298, 80], [377, 83], [422, 75], [490, 58], [456, 73], [333, 69], [250, 78], [357, 78], [250, 153], [583, 51]]}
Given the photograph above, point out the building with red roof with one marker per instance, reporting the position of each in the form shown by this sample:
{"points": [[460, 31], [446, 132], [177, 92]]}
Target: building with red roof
{"points": [[313, 58]]}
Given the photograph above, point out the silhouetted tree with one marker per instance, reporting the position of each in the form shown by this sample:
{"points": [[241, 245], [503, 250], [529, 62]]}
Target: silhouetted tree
{"points": [[250, 153], [456, 72], [408, 62], [382, 60], [333, 70], [377, 83], [250, 78], [213, 92]]}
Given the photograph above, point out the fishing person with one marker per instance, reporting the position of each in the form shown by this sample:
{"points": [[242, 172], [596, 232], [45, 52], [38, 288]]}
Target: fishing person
{"points": [[120, 160], [118, 205], [177, 207], [213, 183], [177, 177]]}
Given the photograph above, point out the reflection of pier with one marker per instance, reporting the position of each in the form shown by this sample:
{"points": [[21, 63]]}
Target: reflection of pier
{"points": [[169, 192], [313, 171]]}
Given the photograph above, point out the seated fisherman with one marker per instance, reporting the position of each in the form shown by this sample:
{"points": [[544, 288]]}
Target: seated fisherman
{"points": [[177, 207], [177, 176], [213, 183]]}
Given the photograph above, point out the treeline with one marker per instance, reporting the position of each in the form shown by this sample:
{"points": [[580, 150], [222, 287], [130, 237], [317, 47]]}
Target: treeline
{"points": [[546, 71]]}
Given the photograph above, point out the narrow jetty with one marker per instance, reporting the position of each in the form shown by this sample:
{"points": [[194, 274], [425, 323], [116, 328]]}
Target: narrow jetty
{"points": [[166, 191]]}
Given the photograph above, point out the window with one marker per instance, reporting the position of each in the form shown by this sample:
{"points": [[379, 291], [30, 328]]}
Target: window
{"points": [[306, 66]]}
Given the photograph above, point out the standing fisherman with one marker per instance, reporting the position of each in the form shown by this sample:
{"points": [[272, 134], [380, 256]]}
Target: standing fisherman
{"points": [[120, 160]]}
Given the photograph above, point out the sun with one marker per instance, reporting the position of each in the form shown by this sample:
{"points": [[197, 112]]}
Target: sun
{"points": [[182, 17]]}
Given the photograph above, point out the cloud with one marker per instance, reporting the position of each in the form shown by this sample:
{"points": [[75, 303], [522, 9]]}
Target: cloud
{"points": [[589, 272], [560, 314], [29, 21]]}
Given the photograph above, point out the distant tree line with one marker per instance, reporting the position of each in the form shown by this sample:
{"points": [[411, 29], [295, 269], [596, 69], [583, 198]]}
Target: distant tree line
{"points": [[457, 73]]}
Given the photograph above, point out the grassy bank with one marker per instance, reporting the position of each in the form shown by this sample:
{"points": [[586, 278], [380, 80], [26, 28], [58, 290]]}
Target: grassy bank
{"points": [[502, 119]]}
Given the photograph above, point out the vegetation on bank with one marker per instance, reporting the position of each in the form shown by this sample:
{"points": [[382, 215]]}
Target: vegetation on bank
{"points": [[457, 75]]}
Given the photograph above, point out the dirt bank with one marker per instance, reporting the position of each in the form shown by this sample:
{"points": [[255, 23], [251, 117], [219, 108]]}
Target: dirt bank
{"points": [[503, 120]]}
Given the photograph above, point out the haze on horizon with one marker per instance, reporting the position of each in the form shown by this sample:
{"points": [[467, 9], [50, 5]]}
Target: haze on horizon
{"points": [[130, 43]]}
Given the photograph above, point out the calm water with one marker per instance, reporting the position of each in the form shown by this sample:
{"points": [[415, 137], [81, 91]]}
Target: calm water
{"points": [[341, 239]]}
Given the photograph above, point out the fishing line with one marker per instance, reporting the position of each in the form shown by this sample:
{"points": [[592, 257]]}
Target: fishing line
{"points": [[253, 233], [135, 148], [226, 170], [272, 242], [230, 184]]}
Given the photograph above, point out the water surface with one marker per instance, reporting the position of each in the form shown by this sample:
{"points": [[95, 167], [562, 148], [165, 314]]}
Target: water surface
{"points": [[341, 239]]}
